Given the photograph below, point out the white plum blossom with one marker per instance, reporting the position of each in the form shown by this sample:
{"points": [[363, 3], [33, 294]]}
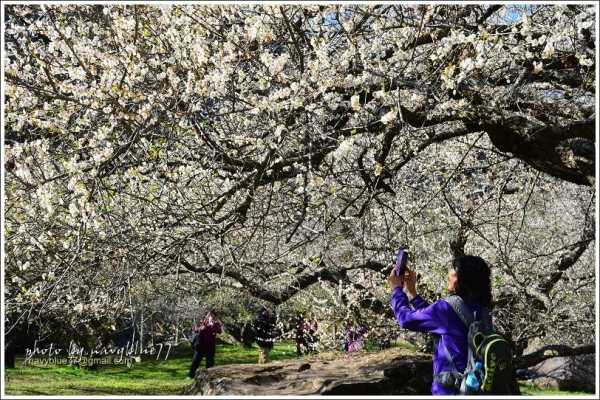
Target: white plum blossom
{"points": [[548, 50], [355, 102], [390, 116], [344, 147], [279, 130], [586, 62]]}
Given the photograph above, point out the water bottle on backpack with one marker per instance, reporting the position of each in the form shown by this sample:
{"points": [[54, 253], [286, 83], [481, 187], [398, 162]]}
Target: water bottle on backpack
{"points": [[473, 379]]}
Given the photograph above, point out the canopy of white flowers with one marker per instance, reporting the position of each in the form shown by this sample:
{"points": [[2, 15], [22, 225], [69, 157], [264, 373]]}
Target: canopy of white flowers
{"points": [[285, 151]]}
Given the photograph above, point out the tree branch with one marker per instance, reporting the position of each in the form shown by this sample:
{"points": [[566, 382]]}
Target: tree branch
{"points": [[552, 351]]}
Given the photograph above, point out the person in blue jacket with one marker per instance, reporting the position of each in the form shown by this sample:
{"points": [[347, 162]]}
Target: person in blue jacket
{"points": [[469, 277]]}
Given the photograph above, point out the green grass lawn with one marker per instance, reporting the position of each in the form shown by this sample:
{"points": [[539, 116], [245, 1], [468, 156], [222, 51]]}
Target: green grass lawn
{"points": [[150, 376], [528, 389]]}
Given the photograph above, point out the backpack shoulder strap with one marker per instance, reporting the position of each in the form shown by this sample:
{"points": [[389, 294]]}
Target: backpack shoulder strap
{"points": [[461, 309], [455, 373], [459, 306]]}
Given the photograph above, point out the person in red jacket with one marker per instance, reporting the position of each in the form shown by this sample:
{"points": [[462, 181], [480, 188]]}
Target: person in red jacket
{"points": [[208, 328]]}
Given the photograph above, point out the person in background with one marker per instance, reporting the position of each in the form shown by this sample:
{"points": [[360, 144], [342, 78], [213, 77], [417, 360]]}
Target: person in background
{"points": [[354, 338], [313, 335], [206, 343], [301, 331], [265, 334], [469, 278]]}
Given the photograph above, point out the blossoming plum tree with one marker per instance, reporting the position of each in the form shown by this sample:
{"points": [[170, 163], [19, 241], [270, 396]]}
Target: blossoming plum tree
{"points": [[285, 151]]}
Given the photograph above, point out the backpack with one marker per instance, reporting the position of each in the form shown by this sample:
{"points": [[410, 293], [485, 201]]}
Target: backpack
{"points": [[196, 339], [487, 346], [254, 330]]}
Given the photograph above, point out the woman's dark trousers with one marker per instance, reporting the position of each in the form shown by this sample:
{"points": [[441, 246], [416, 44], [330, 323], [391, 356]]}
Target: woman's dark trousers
{"points": [[199, 354]]}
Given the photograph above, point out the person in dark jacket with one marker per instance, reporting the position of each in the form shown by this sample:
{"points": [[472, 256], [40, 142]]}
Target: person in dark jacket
{"points": [[206, 346], [265, 334], [469, 277]]}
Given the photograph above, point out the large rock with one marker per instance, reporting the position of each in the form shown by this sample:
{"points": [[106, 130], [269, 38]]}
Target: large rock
{"points": [[386, 372], [576, 373]]}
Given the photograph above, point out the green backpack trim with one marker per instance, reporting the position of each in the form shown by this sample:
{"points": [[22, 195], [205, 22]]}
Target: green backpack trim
{"points": [[497, 365]]}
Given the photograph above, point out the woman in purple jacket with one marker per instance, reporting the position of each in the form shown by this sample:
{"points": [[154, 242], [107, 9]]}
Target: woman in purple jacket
{"points": [[469, 278]]}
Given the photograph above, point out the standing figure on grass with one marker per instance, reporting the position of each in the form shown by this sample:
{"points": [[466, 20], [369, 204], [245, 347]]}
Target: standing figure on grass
{"points": [[264, 328], [301, 330], [205, 341], [313, 335]]}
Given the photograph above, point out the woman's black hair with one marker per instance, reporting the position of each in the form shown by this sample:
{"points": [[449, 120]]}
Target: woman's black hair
{"points": [[473, 282]]}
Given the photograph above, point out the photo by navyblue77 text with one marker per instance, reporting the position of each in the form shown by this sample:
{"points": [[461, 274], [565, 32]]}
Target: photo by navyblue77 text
{"points": [[99, 355]]}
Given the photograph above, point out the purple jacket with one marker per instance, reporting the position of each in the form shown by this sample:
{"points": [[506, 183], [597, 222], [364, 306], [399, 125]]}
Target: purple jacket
{"points": [[438, 318]]}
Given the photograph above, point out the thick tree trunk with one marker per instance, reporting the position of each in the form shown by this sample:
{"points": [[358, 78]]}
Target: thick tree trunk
{"points": [[9, 356]]}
